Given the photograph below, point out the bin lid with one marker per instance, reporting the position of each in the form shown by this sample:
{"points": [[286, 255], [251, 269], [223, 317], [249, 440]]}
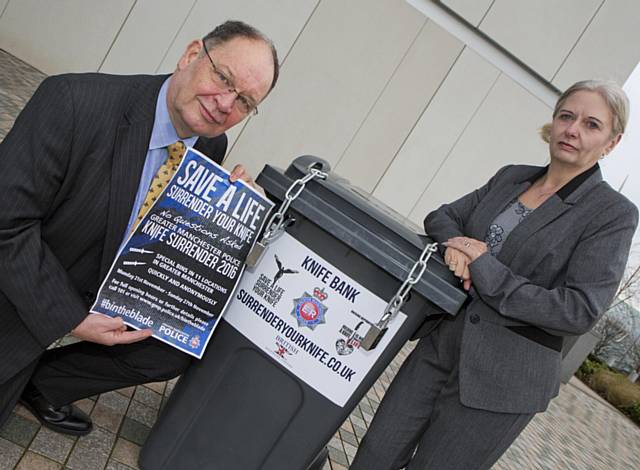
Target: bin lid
{"points": [[367, 226]]}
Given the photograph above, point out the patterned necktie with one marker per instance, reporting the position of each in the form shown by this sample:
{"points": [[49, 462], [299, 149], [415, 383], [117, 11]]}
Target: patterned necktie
{"points": [[161, 179]]}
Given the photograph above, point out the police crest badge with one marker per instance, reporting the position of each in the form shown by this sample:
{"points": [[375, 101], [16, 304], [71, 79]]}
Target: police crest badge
{"points": [[195, 342], [308, 310]]}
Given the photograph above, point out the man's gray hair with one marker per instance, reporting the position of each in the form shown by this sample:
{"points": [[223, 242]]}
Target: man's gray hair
{"points": [[233, 29]]}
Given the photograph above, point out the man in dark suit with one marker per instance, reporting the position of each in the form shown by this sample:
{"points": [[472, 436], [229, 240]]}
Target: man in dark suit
{"points": [[76, 168]]}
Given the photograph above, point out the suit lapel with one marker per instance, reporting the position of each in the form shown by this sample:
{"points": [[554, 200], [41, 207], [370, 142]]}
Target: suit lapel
{"points": [[492, 205], [129, 155], [214, 148], [552, 208]]}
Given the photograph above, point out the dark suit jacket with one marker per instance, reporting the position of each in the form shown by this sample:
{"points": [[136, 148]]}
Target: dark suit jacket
{"points": [[70, 169], [556, 274]]}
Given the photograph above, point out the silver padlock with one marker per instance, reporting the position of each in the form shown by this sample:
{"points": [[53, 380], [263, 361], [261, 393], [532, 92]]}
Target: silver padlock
{"points": [[256, 254], [373, 337], [377, 331]]}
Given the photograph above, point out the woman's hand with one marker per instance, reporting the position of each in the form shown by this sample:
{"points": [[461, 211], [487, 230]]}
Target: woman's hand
{"points": [[458, 263], [469, 246]]}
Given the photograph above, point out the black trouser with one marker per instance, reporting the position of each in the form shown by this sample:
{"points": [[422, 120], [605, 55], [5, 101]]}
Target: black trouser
{"points": [[84, 369], [422, 408], [10, 391]]}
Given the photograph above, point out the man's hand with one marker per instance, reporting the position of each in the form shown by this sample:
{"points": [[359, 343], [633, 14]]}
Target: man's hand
{"points": [[458, 263], [102, 329], [239, 173]]}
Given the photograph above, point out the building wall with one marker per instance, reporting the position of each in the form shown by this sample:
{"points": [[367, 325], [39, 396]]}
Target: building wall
{"points": [[408, 107]]}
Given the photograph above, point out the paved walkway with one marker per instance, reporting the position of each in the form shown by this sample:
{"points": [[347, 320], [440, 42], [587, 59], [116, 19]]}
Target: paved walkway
{"points": [[579, 431]]}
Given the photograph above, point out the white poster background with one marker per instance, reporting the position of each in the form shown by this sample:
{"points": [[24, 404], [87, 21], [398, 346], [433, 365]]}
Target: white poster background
{"points": [[316, 337]]}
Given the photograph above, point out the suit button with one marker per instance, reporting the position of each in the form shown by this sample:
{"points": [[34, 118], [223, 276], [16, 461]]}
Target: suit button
{"points": [[474, 318]]}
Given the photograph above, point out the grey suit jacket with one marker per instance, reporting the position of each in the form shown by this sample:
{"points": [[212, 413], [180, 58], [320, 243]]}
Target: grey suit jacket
{"points": [[556, 274], [70, 169]]}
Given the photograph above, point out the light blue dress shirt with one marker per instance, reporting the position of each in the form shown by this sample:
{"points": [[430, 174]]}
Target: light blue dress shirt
{"points": [[162, 135]]}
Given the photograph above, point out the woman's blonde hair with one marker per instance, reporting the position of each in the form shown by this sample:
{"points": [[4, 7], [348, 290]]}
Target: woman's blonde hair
{"points": [[613, 95]]}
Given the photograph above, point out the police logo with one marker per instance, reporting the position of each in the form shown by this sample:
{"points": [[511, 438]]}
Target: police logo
{"points": [[308, 310], [195, 342]]}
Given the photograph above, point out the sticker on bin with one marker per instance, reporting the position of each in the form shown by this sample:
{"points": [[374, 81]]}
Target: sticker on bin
{"points": [[310, 317]]}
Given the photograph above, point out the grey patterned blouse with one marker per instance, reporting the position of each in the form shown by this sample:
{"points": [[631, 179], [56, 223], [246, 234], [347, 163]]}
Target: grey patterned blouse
{"points": [[502, 225]]}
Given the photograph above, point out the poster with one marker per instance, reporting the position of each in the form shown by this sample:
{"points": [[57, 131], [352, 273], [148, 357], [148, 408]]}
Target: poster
{"points": [[310, 318], [178, 270]]}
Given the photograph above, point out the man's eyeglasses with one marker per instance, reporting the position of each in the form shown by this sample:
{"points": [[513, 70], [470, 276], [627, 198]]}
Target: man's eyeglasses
{"points": [[243, 103]]}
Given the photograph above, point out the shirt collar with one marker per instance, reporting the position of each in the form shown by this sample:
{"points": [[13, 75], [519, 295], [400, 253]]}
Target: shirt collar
{"points": [[163, 133], [572, 185]]}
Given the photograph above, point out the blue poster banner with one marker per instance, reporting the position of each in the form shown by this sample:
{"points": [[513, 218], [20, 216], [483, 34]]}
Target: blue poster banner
{"points": [[178, 270]]}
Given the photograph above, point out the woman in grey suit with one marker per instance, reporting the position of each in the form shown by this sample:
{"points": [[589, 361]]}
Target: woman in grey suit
{"points": [[541, 252]]}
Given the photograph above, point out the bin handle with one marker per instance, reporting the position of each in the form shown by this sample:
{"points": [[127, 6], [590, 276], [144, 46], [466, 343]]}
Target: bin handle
{"points": [[398, 300], [377, 331], [278, 222]]}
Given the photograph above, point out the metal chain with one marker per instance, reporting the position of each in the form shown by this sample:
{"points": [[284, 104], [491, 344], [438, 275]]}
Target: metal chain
{"points": [[398, 300], [276, 224]]}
